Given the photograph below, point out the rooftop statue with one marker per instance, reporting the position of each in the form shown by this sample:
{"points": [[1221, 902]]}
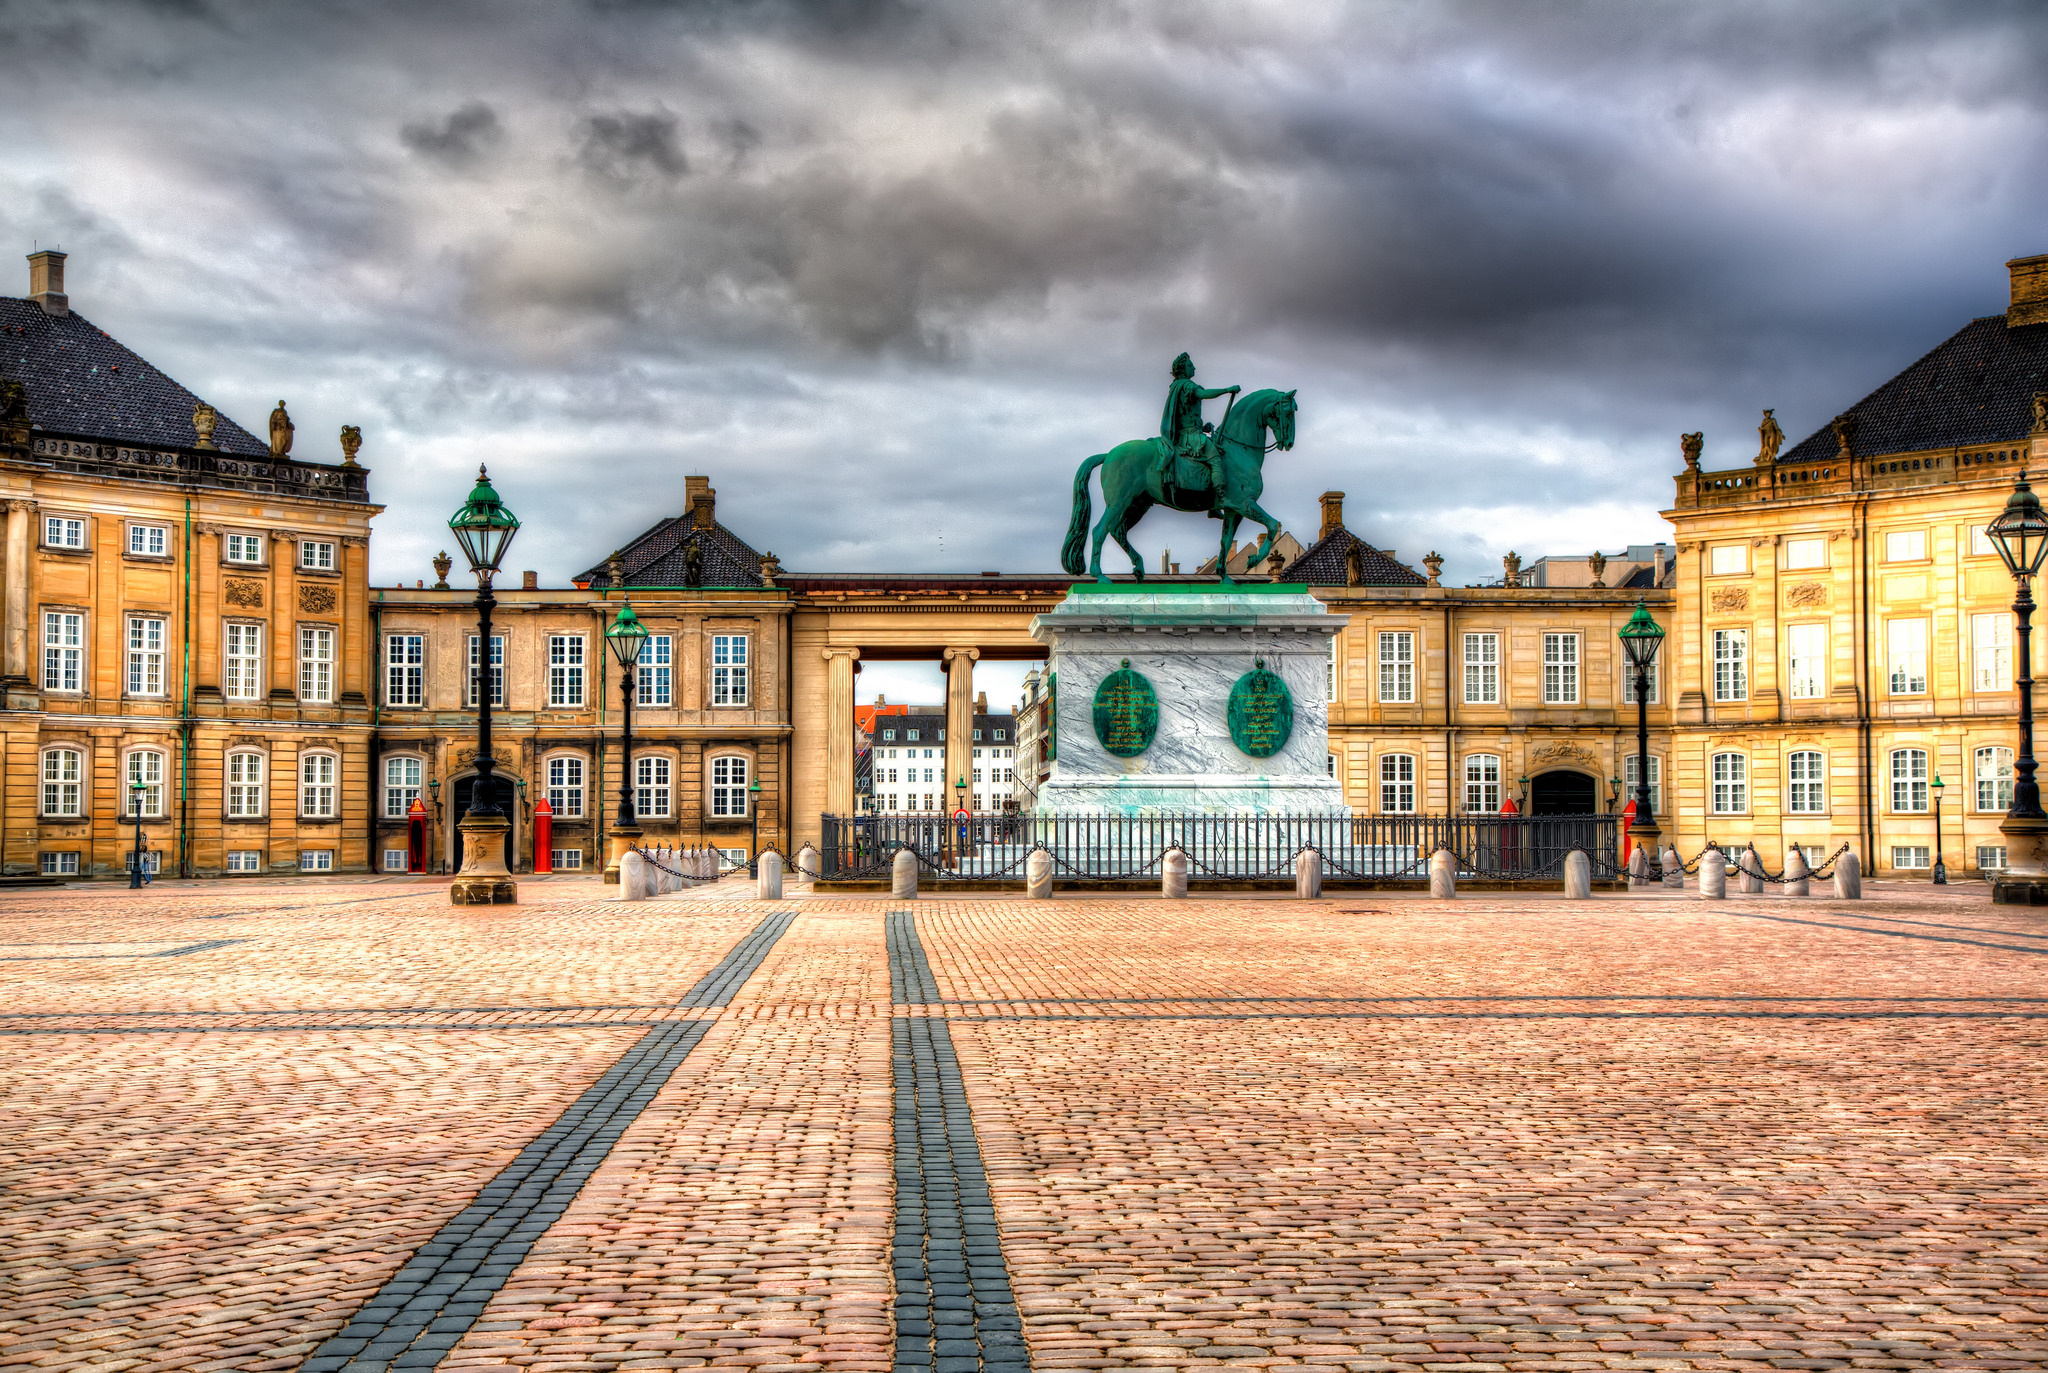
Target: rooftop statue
{"points": [[1192, 466]]}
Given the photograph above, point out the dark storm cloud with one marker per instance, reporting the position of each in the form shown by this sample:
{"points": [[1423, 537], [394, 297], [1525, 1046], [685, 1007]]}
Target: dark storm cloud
{"points": [[889, 270]]}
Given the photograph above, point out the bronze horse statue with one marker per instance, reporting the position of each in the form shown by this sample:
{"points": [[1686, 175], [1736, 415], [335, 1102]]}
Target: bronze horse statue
{"points": [[1133, 482]]}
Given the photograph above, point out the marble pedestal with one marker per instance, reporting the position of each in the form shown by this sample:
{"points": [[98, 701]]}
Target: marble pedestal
{"points": [[1192, 642]]}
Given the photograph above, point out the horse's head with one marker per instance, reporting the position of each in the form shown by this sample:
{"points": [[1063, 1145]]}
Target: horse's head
{"points": [[1282, 420]]}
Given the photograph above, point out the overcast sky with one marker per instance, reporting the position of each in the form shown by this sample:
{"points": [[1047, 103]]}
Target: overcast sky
{"points": [[889, 271]]}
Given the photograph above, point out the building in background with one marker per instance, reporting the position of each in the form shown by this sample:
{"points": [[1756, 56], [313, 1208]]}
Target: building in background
{"points": [[1034, 740], [909, 753]]}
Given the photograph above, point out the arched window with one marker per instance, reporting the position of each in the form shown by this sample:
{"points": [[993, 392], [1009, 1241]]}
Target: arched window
{"points": [[565, 787], [651, 782], [1731, 783], [1482, 782], [145, 771], [245, 786], [729, 785], [63, 782], [318, 785], [1994, 779], [401, 785], [1397, 783], [1909, 780], [1806, 782]]}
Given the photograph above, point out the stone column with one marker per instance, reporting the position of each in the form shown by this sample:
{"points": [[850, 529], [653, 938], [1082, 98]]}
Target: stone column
{"points": [[839, 730], [959, 727], [19, 513]]}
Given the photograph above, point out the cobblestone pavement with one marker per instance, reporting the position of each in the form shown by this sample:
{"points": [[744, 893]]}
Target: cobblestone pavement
{"points": [[1369, 1132]]}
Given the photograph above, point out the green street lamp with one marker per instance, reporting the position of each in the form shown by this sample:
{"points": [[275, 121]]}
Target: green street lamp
{"points": [[136, 791], [626, 637], [754, 835], [1640, 638], [484, 528], [1940, 868], [2020, 534]]}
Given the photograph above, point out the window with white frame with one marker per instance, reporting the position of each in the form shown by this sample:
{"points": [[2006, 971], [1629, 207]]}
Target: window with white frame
{"points": [[1731, 665], [152, 861], [1482, 669], [1980, 542], [245, 860], [1628, 778], [1330, 670], [397, 860], [567, 860], [1905, 546], [1806, 782], [145, 656], [317, 786], [405, 669], [1397, 665], [1561, 669], [565, 787], [146, 781], [652, 787], [1397, 783], [63, 650], [729, 668], [1906, 644], [244, 786], [245, 548], [1801, 554], [1808, 647], [316, 555], [1727, 559], [1330, 764], [149, 540], [497, 669], [1991, 652], [1627, 672], [243, 675], [1909, 855], [1909, 780], [1731, 783], [316, 664], [565, 670], [1990, 857], [60, 531], [656, 684], [1993, 767], [63, 782], [1482, 782], [316, 860], [729, 785], [402, 775], [66, 864]]}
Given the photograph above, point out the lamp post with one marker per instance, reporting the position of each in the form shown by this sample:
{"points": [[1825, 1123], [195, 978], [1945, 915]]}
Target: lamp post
{"points": [[754, 827], [484, 528], [1940, 868], [136, 791], [627, 636], [2020, 533], [1640, 638]]}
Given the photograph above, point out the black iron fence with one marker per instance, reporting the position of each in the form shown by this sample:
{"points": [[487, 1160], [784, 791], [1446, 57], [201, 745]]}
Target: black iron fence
{"points": [[1113, 848]]}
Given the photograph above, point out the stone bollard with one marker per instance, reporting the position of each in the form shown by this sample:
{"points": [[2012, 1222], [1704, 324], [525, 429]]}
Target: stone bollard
{"points": [[1038, 876], [1713, 876], [1173, 874], [903, 876], [1848, 878], [807, 864], [1578, 876], [632, 877], [1639, 869], [1796, 880], [768, 882], [1674, 868], [1443, 875], [1752, 873], [1308, 875]]}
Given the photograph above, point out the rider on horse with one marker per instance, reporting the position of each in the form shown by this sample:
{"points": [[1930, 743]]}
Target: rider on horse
{"points": [[1181, 431]]}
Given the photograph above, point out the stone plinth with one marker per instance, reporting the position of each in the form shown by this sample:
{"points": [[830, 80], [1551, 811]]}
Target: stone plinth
{"points": [[484, 880], [1193, 645]]}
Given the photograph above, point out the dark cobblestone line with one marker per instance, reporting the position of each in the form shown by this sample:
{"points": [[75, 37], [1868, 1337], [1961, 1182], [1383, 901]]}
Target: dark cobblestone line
{"points": [[341, 1027], [910, 976], [716, 988], [345, 1010], [1938, 925], [1527, 1015], [1892, 934], [201, 947], [1193, 998]]}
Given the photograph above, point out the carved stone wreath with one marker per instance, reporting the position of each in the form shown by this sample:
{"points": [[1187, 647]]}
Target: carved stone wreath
{"points": [[247, 594], [1807, 594], [1564, 753], [316, 600], [1731, 598]]}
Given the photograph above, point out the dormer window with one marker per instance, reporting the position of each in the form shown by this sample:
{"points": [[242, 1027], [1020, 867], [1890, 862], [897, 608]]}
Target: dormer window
{"points": [[910, 734]]}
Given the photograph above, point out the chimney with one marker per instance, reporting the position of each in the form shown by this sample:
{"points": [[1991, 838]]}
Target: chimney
{"points": [[2029, 291], [981, 703], [46, 282], [699, 501], [1657, 556], [529, 581], [1333, 513]]}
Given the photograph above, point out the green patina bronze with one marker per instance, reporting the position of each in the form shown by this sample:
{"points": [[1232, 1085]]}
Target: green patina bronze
{"points": [[1052, 717], [1261, 712], [1126, 712]]}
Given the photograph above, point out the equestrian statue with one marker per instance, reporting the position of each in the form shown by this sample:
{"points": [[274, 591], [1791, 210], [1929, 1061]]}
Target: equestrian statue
{"points": [[1192, 466]]}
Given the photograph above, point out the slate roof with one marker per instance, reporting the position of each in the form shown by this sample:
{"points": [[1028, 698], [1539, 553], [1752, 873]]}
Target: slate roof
{"points": [[1977, 387], [80, 381], [1325, 563], [928, 727], [658, 558]]}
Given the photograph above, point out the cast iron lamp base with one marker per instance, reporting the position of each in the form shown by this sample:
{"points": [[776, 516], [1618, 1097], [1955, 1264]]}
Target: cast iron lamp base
{"points": [[624, 839], [484, 880], [2023, 883]]}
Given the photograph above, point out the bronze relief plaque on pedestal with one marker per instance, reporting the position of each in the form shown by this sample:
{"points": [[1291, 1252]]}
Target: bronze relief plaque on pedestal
{"points": [[1126, 712], [1261, 712]]}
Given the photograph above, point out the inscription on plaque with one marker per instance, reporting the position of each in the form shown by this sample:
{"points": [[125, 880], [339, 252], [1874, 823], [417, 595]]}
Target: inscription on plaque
{"points": [[1261, 712], [1126, 712]]}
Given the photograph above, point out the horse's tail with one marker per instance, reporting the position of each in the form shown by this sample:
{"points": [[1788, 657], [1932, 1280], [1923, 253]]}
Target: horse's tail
{"points": [[1074, 553]]}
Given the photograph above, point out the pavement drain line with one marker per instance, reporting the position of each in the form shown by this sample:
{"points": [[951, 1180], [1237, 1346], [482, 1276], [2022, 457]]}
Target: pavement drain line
{"points": [[441, 1291], [955, 1311]]}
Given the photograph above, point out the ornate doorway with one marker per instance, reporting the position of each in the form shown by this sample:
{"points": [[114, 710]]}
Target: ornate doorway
{"points": [[1562, 793]]}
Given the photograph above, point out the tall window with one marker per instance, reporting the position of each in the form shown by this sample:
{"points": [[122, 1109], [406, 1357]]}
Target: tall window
{"points": [[728, 786], [1397, 783], [316, 554], [1809, 649], [1806, 782], [1482, 669], [1560, 669], [245, 548], [1330, 670], [565, 671], [1907, 640], [145, 656], [1991, 652], [1628, 777], [1628, 683], [1909, 780], [63, 650], [1731, 665], [1994, 780], [147, 540], [63, 782], [652, 785], [1397, 666], [316, 665], [316, 786], [1905, 546], [145, 770], [565, 786], [1731, 783], [1804, 553], [405, 669], [656, 686], [729, 670], [1727, 560], [59, 532], [401, 786], [1482, 781], [244, 674], [497, 668], [245, 786]]}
